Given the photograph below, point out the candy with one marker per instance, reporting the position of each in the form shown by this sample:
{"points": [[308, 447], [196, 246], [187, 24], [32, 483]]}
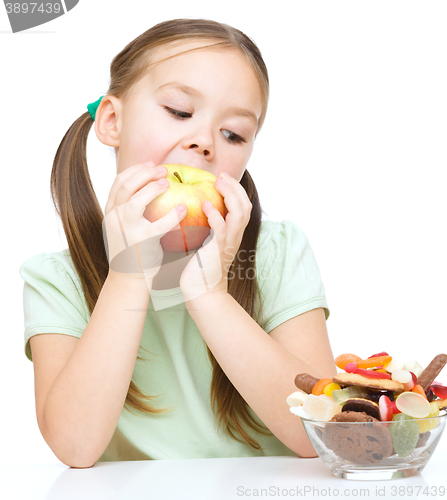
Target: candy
{"points": [[372, 373], [418, 389], [440, 391], [431, 372], [374, 361], [320, 407], [305, 382], [413, 404], [353, 391], [383, 353], [427, 424], [351, 367], [318, 388], [404, 430], [330, 388], [404, 377], [413, 366], [385, 409], [394, 364], [296, 398], [342, 359]]}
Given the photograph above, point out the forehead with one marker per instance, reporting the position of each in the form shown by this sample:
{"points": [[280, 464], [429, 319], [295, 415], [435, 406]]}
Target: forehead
{"points": [[204, 62]]}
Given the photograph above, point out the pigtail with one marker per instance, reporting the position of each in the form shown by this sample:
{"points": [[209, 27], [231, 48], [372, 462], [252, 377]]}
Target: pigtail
{"points": [[230, 407], [76, 204]]}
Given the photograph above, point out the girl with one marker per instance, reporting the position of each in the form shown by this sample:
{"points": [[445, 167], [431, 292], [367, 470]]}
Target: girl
{"points": [[220, 359]]}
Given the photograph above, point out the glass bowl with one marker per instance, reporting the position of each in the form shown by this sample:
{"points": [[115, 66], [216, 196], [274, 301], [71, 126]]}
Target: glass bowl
{"points": [[367, 450]]}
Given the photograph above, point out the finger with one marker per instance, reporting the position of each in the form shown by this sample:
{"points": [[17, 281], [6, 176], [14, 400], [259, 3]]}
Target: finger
{"points": [[139, 201], [169, 221], [216, 222], [131, 180]]}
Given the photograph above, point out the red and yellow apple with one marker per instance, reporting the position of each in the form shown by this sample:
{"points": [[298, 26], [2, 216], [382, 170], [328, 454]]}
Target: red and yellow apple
{"points": [[191, 186]]}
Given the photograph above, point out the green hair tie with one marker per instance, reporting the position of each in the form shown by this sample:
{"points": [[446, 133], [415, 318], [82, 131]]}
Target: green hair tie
{"points": [[93, 106]]}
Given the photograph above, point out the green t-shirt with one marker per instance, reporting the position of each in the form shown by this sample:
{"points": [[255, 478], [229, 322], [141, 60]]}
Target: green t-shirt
{"points": [[178, 368]]}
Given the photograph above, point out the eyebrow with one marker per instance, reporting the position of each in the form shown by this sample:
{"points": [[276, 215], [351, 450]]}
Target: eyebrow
{"points": [[186, 89]]}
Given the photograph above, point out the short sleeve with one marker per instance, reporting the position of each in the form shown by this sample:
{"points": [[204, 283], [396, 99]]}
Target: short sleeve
{"points": [[287, 273], [53, 301]]}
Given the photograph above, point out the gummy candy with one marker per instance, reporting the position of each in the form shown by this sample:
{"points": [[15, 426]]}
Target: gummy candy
{"points": [[439, 390], [385, 409], [394, 364], [352, 391], [404, 377], [374, 361], [330, 388], [383, 353], [427, 424], [372, 373], [321, 407], [418, 389], [351, 367], [404, 430], [413, 404], [320, 385], [342, 359], [297, 398]]}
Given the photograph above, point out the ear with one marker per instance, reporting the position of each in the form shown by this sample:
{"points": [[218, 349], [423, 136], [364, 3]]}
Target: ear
{"points": [[108, 121]]}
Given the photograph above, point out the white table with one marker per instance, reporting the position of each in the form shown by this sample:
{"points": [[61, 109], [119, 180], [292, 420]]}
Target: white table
{"points": [[211, 479]]}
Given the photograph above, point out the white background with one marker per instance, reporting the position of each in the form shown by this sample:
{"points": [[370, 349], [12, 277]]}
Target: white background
{"points": [[353, 150]]}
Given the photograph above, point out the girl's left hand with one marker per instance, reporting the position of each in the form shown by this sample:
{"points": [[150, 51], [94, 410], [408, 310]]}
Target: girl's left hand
{"points": [[207, 270]]}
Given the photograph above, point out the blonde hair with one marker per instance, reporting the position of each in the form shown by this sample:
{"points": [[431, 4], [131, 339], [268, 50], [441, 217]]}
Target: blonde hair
{"points": [[77, 205]]}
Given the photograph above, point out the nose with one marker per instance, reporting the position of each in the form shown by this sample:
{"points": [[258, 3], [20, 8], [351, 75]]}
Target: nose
{"points": [[196, 146], [202, 142]]}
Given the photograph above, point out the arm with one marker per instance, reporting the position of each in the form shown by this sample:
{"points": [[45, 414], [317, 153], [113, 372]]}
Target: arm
{"points": [[263, 367], [79, 398]]}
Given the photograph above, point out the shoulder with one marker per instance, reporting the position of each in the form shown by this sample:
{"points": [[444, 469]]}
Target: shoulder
{"points": [[55, 269], [276, 237]]}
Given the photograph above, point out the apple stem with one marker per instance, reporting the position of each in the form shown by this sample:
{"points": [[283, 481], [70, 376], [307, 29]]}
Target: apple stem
{"points": [[175, 174]]}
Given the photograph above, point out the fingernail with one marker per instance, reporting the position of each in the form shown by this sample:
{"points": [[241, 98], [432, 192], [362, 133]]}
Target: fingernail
{"points": [[163, 182], [149, 164], [222, 180], [161, 169], [180, 208]]}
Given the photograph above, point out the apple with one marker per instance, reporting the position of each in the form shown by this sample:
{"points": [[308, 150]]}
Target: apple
{"points": [[191, 186]]}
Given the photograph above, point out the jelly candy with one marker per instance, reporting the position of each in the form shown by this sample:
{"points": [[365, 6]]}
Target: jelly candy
{"points": [[413, 366], [404, 377], [320, 385], [330, 388], [321, 407], [342, 359], [383, 353], [374, 361], [394, 364], [427, 424], [296, 398], [413, 404], [372, 373], [385, 409], [353, 391], [418, 389], [351, 367], [439, 390], [405, 433]]}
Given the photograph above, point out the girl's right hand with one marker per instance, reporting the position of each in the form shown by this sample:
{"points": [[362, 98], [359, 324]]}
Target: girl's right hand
{"points": [[132, 242]]}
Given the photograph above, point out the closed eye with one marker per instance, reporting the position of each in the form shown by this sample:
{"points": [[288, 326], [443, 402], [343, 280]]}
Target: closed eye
{"points": [[178, 114], [232, 137]]}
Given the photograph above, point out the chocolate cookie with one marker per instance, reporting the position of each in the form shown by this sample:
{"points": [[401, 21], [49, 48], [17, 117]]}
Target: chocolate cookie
{"points": [[362, 405], [362, 443], [373, 383]]}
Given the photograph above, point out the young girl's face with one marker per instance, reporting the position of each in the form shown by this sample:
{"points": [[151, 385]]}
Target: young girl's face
{"points": [[199, 109]]}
